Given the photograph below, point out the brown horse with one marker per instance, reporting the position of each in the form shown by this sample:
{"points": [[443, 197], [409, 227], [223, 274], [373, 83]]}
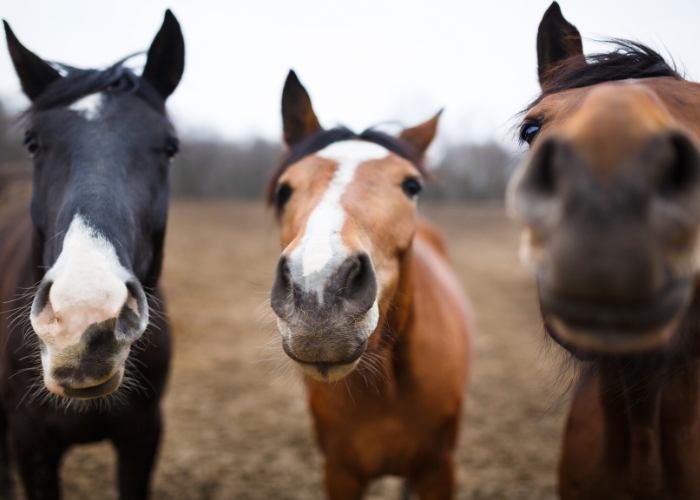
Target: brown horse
{"points": [[364, 292], [610, 199]]}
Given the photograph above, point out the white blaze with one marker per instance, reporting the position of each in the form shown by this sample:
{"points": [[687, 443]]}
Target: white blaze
{"points": [[322, 242], [89, 286], [89, 106]]}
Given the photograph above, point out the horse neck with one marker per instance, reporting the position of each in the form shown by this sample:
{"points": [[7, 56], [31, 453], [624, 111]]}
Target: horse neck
{"points": [[647, 423], [650, 407]]}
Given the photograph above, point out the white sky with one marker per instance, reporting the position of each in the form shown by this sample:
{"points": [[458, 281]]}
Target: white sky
{"points": [[363, 61]]}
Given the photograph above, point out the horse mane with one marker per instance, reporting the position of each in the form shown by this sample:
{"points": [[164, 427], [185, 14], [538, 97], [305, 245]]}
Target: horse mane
{"points": [[627, 60], [324, 138], [78, 83]]}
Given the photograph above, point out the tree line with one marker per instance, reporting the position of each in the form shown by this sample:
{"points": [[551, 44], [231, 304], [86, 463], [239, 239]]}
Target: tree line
{"points": [[216, 168]]}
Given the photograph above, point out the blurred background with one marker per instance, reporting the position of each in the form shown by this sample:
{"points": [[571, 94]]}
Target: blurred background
{"points": [[236, 419], [364, 62]]}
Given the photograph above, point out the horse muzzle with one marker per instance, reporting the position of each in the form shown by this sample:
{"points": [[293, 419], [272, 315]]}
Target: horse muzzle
{"points": [[327, 318], [83, 354]]}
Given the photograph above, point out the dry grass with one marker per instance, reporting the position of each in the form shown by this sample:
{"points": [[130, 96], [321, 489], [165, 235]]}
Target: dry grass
{"points": [[238, 428]]}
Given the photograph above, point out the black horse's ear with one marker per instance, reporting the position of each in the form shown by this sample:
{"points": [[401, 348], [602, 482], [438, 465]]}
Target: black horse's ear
{"points": [[421, 135], [557, 40], [166, 57], [34, 73], [298, 117]]}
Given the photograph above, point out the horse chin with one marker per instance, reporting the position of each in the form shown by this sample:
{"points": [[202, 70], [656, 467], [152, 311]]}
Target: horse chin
{"points": [[87, 392], [605, 341], [327, 372], [605, 328], [323, 370]]}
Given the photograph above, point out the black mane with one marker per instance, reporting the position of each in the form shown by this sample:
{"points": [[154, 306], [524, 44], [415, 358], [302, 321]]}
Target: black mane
{"points": [[324, 138], [628, 60], [78, 83]]}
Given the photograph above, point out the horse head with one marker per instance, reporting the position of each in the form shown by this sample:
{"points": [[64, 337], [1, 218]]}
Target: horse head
{"points": [[346, 204], [101, 145]]}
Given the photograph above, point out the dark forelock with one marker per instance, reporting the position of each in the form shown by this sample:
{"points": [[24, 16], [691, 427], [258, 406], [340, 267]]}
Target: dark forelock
{"points": [[78, 83], [628, 60]]}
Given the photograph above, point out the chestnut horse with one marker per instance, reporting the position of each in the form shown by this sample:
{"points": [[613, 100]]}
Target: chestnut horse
{"points": [[88, 248], [364, 292], [610, 199]]}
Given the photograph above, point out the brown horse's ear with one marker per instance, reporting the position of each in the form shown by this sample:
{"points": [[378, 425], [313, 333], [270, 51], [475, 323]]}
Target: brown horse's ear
{"points": [[421, 135], [166, 57], [34, 73], [298, 117], [557, 40]]}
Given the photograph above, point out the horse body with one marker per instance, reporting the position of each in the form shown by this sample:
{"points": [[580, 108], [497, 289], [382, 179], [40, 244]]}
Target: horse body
{"points": [[633, 439], [403, 421], [86, 351], [608, 197], [364, 292]]}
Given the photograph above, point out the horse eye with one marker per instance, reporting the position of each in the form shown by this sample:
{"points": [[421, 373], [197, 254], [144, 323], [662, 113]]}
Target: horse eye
{"points": [[529, 131], [31, 144], [412, 187], [171, 149], [284, 192]]}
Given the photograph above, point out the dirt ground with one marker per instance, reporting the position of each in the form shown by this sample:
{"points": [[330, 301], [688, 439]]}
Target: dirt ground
{"points": [[236, 418]]}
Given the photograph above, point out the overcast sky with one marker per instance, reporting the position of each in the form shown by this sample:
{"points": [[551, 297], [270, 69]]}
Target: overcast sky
{"points": [[363, 61]]}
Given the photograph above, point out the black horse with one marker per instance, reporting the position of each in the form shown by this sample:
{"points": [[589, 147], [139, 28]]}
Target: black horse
{"points": [[94, 361]]}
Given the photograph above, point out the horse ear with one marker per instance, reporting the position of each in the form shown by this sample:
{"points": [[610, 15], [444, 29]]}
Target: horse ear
{"points": [[298, 118], [166, 57], [422, 135], [34, 73], [557, 40]]}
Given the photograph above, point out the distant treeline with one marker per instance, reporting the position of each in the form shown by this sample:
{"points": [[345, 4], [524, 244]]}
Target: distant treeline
{"points": [[207, 168], [221, 169], [472, 172], [11, 148], [211, 168]]}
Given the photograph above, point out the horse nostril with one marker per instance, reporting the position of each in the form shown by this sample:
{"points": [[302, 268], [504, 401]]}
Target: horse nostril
{"points": [[683, 170], [134, 314], [357, 283], [356, 275], [282, 294], [540, 178], [136, 298], [41, 298]]}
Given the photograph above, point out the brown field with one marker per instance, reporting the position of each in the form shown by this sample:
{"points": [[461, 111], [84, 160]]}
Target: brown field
{"points": [[237, 424]]}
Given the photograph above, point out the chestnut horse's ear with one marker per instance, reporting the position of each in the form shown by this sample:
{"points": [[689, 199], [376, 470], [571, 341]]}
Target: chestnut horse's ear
{"points": [[422, 135], [557, 40], [166, 57], [34, 73], [298, 118]]}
